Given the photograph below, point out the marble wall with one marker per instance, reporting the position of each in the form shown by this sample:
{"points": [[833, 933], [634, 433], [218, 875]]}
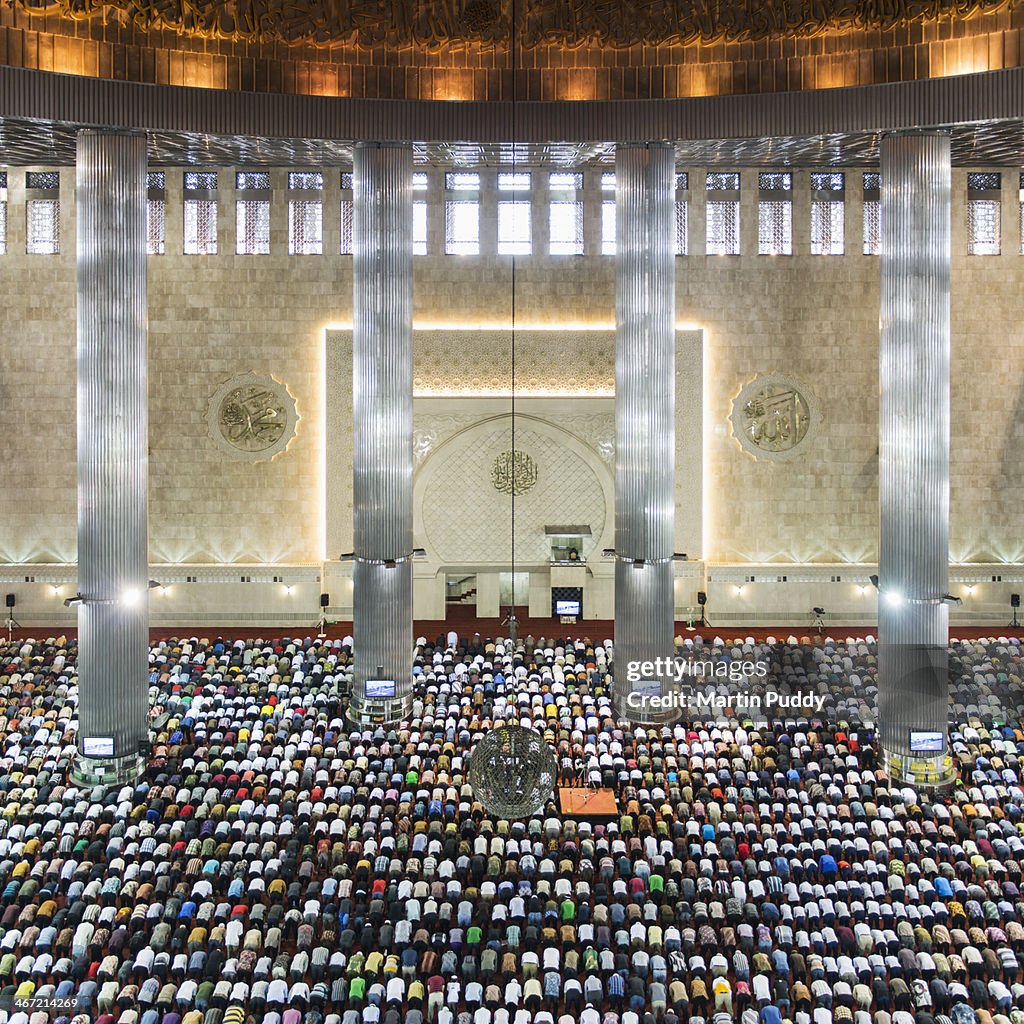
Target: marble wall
{"points": [[813, 319]]}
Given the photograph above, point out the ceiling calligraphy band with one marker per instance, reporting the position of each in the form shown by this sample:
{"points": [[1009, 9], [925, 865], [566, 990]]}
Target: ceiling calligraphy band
{"points": [[426, 23]]}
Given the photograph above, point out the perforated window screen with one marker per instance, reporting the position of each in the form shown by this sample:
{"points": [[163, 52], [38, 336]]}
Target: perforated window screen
{"points": [[827, 228], [461, 181], [197, 181], [608, 228], [723, 181], [872, 227], [3, 212], [309, 180], [566, 238], [775, 228], [419, 229], [514, 228], [513, 181], [345, 225], [775, 181], [42, 179], [252, 223], [42, 227], [828, 181], [305, 227], [983, 227], [723, 228], [253, 180], [156, 211], [987, 181], [462, 228], [565, 179], [682, 224], [200, 227]]}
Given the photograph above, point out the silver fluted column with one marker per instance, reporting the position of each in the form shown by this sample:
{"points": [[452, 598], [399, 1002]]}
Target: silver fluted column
{"points": [[913, 618], [113, 461], [382, 402], [644, 420]]}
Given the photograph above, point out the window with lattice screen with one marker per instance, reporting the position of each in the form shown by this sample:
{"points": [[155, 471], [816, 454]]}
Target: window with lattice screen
{"points": [[156, 213], [984, 210], [608, 227], [514, 227], [828, 212], [722, 215], [42, 227], [345, 226], [3, 212], [565, 213], [566, 228], [723, 228], [682, 227], [462, 227], [462, 213], [252, 226], [305, 213], [419, 228], [42, 213], [872, 214], [827, 227], [983, 227], [775, 213], [199, 214]]}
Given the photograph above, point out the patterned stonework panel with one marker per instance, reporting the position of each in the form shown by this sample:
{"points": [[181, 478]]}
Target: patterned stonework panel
{"points": [[252, 417], [466, 520], [773, 417], [454, 362], [599, 432], [431, 430]]}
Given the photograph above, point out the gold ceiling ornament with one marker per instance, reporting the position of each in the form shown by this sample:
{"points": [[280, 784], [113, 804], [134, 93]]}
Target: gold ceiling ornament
{"points": [[426, 23], [514, 473]]}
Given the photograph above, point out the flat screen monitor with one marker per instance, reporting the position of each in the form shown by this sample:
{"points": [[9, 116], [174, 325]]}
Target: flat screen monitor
{"points": [[381, 688], [922, 742], [98, 746], [568, 607], [647, 688]]}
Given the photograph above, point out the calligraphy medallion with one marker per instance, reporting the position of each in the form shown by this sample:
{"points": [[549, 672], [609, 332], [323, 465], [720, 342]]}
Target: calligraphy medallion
{"points": [[773, 416], [252, 417]]}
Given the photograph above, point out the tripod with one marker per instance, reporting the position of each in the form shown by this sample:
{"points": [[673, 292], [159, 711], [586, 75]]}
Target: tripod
{"points": [[12, 624], [1015, 624]]}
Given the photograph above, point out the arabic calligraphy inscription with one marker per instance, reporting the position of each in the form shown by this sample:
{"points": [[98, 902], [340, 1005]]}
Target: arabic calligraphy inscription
{"points": [[513, 473], [252, 417], [772, 417]]}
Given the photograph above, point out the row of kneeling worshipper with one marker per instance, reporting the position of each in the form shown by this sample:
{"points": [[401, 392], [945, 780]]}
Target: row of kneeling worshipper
{"points": [[277, 865]]}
